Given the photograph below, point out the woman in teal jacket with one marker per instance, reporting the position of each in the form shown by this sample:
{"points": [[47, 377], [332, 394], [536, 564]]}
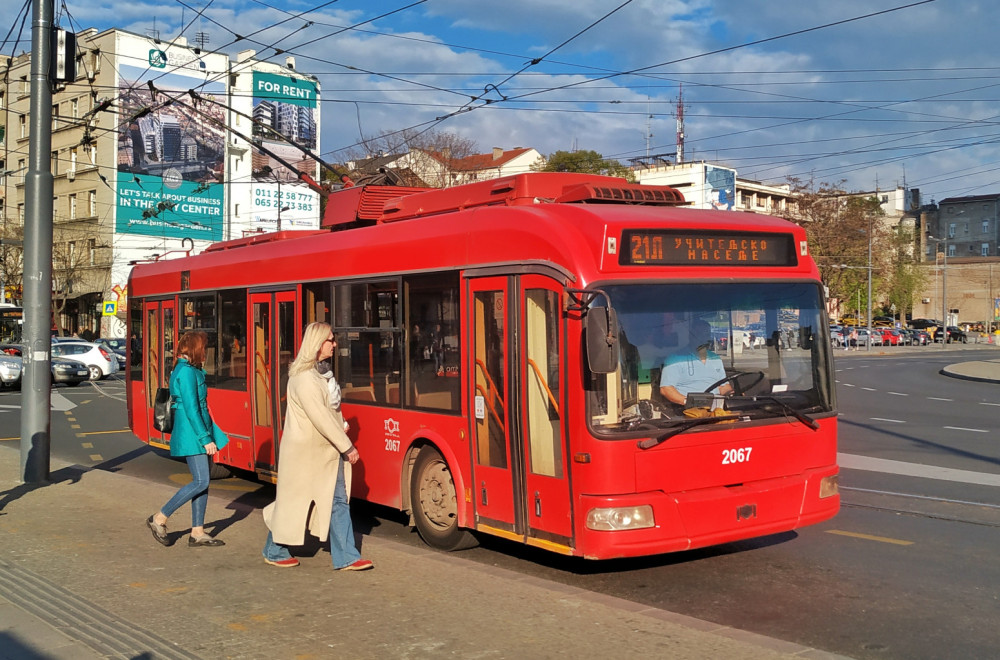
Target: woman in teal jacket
{"points": [[194, 436]]}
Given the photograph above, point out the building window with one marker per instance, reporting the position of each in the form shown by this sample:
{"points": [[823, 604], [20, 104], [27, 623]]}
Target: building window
{"points": [[92, 203], [23, 119], [72, 206], [55, 116], [75, 105], [55, 162], [72, 159], [986, 226], [72, 254], [20, 213], [951, 250], [984, 250], [92, 251], [93, 154], [951, 230]]}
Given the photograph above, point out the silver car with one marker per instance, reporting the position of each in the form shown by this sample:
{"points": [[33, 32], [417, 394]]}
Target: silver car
{"points": [[100, 361]]}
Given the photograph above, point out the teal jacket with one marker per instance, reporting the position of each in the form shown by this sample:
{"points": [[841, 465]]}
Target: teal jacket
{"points": [[193, 426]]}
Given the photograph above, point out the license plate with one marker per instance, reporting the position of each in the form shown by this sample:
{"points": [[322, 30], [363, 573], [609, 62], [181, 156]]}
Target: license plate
{"points": [[81, 373]]}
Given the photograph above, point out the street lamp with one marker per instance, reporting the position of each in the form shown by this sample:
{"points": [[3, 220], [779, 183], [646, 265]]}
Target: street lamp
{"points": [[944, 287]]}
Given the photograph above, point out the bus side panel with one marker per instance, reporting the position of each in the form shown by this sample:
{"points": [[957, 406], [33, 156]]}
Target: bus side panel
{"points": [[383, 436]]}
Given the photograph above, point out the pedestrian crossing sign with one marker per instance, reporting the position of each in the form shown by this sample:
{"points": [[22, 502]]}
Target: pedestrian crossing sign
{"points": [[110, 308]]}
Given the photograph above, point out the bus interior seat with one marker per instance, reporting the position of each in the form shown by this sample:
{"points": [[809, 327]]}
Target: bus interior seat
{"points": [[364, 393]]}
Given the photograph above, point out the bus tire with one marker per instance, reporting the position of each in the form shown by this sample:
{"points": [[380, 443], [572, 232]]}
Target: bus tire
{"points": [[216, 471], [435, 503]]}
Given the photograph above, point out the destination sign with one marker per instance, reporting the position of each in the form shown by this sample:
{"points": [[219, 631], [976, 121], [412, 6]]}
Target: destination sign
{"points": [[670, 247]]}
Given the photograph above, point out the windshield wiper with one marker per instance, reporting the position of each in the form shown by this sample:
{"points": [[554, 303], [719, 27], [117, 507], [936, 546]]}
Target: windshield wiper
{"points": [[784, 406], [649, 443]]}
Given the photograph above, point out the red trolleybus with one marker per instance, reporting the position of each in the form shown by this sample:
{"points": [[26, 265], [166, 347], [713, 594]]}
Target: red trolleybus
{"points": [[501, 348]]}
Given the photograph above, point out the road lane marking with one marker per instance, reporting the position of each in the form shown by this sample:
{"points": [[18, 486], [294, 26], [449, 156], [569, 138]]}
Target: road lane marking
{"points": [[96, 458], [984, 403], [897, 394], [87, 445], [885, 465], [869, 537], [869, 389], [962, 428], [883, 419], [937, 398], [103, 432]]}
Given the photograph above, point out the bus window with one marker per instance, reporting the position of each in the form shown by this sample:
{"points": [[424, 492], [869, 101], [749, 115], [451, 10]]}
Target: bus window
{"points": [[431, 378], [199, 314], [749, 333], [232, 373], [316, 303], [168, 341], [542, 342], [491, 366]]}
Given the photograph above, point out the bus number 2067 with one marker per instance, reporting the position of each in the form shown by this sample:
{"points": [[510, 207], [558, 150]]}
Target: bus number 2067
{"points": [[741, 455]]}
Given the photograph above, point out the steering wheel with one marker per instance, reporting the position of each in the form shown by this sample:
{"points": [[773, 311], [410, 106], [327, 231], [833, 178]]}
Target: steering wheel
{"points": [[734, 379]]}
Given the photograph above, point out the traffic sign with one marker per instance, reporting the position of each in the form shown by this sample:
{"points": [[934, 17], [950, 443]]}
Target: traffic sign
{"points": [[110, 308]]}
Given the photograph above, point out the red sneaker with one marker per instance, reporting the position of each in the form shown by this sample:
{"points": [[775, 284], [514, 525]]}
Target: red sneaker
{"points": [[291, 562], [359, 565]]}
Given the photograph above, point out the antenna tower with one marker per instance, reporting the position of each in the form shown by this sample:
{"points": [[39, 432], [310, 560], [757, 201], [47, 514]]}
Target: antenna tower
{"points": [[679, 113]]}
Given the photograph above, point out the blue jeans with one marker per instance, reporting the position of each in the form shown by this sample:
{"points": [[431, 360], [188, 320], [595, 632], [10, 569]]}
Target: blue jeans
{"points": [[343, 551], [196, 491]]}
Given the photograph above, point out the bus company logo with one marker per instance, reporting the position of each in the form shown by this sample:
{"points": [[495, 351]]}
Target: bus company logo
{"points": [[157, 58], [392, 427]]}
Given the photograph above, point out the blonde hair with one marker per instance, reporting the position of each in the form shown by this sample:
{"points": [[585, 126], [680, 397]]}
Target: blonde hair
{"points": [[312, 341]]}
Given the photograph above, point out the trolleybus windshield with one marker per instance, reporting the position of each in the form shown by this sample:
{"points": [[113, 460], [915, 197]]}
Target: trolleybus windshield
{"points": [[763, 340]]}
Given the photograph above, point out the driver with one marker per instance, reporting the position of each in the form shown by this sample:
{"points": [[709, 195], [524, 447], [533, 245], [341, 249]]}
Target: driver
{"points": [[694, 368]]}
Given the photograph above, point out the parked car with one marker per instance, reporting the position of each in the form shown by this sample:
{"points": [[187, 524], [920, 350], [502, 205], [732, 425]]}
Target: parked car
{"points": [[837, 336], [913, 337], [864, 340], [116, 346], [64, 370], [99, 360], [956, 334], [883, 322], [890, 336], [10, 369]]}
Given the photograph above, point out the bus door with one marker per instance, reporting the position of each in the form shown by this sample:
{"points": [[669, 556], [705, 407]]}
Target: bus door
{"points": [[519, 465], [158, 347], [271, 349], [541, 408], [493, 482]]}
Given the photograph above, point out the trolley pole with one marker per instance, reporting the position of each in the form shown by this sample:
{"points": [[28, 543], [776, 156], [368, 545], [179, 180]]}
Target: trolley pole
{"points": [[37, 379]]}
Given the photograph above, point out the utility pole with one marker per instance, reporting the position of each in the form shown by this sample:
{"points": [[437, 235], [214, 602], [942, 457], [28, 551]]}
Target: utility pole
{"points": [[37, 379]]}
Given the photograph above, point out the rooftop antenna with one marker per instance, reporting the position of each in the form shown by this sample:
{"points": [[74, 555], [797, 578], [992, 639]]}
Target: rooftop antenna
{"points": [[153, 32], [201, 38], [679, 113], [649, 128]]}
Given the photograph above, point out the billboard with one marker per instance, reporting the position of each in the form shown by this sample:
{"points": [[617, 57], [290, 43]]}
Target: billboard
{"points": [[720, 188], [171, 155], [285, 112]]}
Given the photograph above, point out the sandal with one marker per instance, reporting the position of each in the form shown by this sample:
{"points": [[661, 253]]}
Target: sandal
{"points": [[204, 540], [159, 531]]}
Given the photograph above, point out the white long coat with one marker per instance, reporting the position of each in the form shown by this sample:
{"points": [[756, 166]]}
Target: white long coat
{"points": [[312, 442]]}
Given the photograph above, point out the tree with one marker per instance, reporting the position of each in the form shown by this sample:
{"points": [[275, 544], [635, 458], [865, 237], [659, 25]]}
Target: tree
{"points": [[11, 261], [401, 142], [586, 161], [843, 229]]}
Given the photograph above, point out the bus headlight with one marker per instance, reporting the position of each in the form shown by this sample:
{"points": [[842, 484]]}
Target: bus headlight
{"points": [[829, 486], [626, 517]]}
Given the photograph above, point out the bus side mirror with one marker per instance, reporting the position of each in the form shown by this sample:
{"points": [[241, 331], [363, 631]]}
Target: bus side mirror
{"points": [[602, 340]]}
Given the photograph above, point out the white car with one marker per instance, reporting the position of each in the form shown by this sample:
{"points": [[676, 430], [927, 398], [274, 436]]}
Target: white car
{"points": [[99, 360]]}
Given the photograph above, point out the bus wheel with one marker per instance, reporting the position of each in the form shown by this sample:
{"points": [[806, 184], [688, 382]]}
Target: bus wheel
{"points": [[216, 471], [435, 505]]}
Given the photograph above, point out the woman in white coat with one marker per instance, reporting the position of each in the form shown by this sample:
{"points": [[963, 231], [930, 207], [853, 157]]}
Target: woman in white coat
{"points": [[314, 465]]}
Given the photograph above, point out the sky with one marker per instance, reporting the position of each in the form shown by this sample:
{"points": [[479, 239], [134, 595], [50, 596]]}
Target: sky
{"points": [[866, 95]]}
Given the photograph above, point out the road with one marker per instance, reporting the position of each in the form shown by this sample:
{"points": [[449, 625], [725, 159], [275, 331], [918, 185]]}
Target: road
{"points": [[907, 569]]}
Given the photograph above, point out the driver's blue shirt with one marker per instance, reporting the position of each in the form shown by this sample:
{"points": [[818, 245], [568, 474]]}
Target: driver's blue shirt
{"points": [[689, 374]]}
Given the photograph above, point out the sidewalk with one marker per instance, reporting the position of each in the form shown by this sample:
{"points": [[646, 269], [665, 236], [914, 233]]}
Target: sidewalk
{"points": [[81, 577]]}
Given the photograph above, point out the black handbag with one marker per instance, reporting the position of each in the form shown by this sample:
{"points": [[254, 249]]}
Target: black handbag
{"points": [[163, 410]]}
